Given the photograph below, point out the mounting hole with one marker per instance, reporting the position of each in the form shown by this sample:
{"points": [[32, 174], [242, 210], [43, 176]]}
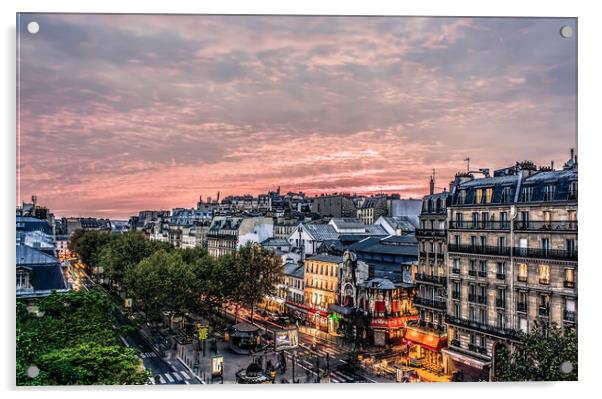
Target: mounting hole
{"points": [[566, 367], [33, 27], [566, 31], [33, 371]]}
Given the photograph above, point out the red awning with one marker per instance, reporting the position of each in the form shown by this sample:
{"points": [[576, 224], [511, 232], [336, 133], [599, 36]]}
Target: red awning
{"points": [[430, 341]]}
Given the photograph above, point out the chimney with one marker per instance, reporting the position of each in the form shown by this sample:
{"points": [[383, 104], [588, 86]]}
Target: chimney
{"points": [[573, 154], [552, 164], [432, 184]]}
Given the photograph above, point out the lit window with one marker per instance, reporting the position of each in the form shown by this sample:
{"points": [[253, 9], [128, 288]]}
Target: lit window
{"points": [[544, 274], [522, 271], [488, 195], [478, 196]]}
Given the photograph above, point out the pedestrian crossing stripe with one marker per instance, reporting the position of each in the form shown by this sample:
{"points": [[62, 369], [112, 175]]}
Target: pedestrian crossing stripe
{"points": [[177, 376], [186, 376], [161, 380], [146, 355], [169, 377]]}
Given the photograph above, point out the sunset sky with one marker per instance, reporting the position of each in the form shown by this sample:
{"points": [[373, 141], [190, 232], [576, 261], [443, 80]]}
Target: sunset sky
{"points": [[119, 113]]}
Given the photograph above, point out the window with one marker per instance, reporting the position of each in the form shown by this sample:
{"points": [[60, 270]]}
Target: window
{"points": [[473, 241], [461, 196], [475, 220], [504, 220], [478, 196], [523, 269], [457, 310], [457, 240], [570, 246], [483, 241], [501, 320], [485, 219], [544, 274], [488, 194], [472, 265], [483, 316], [501, 242], [501, 268], [506, 193], [573, 190], [527, 194], [472, 313], [548, 192], [457, 265], [522, 324], [459, 218], [569, 278], [483, 266], [23, 280], [545, 244]]}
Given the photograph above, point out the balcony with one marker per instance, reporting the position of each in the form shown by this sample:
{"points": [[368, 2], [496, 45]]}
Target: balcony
{"points": [[543, 311], [479, 225], [439, 280], [472, 273], [483, 274], [482, 300], [456, 343], [521, 307], [560, 226], [542, 253], [482, 327], [477, 349], [431, 232], [500, 276], [456, 294], [431, 303], [500, 303], [570, 315], [569, 284], [456, 271], [478, 249]]}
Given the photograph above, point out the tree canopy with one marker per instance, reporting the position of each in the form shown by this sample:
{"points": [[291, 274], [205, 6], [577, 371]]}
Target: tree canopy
{"points": [[539, 356], [71, 338]]}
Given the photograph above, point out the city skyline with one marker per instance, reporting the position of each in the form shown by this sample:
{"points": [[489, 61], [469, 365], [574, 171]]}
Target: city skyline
{"points": [[119, 113]]}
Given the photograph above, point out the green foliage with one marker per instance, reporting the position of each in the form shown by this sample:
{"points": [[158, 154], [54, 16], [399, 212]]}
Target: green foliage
{"points": [[539, 356], [257, 271], [125, 251], [71, 339], [163, 281], [88, 244]]}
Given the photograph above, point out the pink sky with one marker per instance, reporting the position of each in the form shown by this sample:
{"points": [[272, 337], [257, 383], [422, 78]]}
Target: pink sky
{"points": [[123, 113]]}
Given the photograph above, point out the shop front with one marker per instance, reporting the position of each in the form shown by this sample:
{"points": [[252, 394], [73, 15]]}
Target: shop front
{"points": [[389, 330], [463, 367], [424, 347]]}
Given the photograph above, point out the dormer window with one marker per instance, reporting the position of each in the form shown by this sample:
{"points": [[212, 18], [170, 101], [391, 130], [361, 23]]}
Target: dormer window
{"points": [[23, 281], [461, 196], [506, 194], [478, 198], [573, 190], [488, 195], [527, 194], [548, 192]]}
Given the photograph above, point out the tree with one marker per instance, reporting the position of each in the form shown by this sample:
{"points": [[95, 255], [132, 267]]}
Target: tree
{"points": [[258, 270], [163, 281], [88, 245], [72, 340], [125, 251], [539, 356]]}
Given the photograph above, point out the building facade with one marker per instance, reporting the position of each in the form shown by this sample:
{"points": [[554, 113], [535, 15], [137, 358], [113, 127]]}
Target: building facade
{"points": [[512, 260], [321, 286]]}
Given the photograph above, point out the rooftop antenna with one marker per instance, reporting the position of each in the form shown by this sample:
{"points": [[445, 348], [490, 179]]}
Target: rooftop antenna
{"points": [[467, 160]]}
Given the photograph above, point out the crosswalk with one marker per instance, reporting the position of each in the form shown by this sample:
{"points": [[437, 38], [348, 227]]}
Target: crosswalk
{"points": [[146, 355], [305, 355], [174, 377]]}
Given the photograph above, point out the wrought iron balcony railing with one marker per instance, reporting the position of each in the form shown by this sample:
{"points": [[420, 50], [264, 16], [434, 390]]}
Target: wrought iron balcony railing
{"points": [[482, 327], [432, 303], [478, 249], [440, 280], [431, 232]]}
